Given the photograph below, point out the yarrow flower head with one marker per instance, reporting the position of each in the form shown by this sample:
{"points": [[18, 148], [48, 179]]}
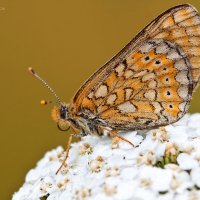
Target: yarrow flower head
{"points": [[165, 164]]}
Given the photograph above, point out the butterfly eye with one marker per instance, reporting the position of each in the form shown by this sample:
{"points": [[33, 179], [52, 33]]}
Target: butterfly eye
{"points": [[63, 111], [63, 125]]}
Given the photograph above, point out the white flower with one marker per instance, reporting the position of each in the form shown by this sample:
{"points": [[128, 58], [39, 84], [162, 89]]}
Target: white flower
{"points": [[159, 178], [164, 165], [181, 182]]}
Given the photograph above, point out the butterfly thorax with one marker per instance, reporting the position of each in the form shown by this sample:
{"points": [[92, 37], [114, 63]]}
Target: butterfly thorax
{"points": [[83, 123]]}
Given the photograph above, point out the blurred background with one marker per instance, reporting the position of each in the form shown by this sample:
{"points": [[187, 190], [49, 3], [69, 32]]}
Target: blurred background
{"points": [[65, 42]]}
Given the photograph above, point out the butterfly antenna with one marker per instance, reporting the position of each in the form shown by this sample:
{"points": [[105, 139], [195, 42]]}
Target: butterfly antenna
{"points": [[32, 71]]}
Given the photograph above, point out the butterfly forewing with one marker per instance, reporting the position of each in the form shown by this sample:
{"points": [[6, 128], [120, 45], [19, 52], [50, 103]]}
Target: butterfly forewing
{"points": [[150, 82]]}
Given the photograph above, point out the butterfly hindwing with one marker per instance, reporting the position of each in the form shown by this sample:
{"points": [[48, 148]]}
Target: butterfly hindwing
{"points": [[150, 82], [155, 88]]}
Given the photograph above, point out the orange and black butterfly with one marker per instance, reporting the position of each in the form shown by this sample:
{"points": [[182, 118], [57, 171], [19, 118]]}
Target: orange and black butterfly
{"points": [[148, 84]]}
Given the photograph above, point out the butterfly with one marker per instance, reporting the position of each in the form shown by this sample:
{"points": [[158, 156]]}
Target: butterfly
{"points": [[148, 84]]}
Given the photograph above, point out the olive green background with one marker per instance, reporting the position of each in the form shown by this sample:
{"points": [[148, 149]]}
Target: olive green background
{"points": [[65, 41]]}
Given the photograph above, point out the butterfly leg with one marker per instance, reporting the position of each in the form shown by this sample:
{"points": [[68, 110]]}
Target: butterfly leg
{"points": [[114, 132], [67, 153]]}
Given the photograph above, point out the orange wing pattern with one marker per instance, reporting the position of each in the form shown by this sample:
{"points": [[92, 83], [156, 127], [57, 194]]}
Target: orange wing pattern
{"points": [[150, 82]]}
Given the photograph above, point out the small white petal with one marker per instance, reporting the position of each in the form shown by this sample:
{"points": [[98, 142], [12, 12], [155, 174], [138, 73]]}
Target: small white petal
{"points": [[195, 175], [186, 162]]}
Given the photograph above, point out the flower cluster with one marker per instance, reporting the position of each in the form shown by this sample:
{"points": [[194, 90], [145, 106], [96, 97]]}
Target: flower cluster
{"points": [[165, 164]]}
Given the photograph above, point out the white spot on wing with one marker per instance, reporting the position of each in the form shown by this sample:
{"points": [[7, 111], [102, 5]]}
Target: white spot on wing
{"points": [[111, 99], [152, 84], [173, 54], [180, 65], [141, 73], [182, 78], [183, 92], [151, 94], [90, 95], [102, 91], [120, 69], [148, 77], [182, 106], [128, 93], [128, 74], [146, 47], [162, 49], [126, 107], [157, 107]]}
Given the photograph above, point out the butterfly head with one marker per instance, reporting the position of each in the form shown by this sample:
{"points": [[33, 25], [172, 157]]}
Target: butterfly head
{"points": [[60, 116]]}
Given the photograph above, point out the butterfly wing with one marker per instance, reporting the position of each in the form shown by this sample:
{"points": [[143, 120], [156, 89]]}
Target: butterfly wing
{"points": [[150, 82]]}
